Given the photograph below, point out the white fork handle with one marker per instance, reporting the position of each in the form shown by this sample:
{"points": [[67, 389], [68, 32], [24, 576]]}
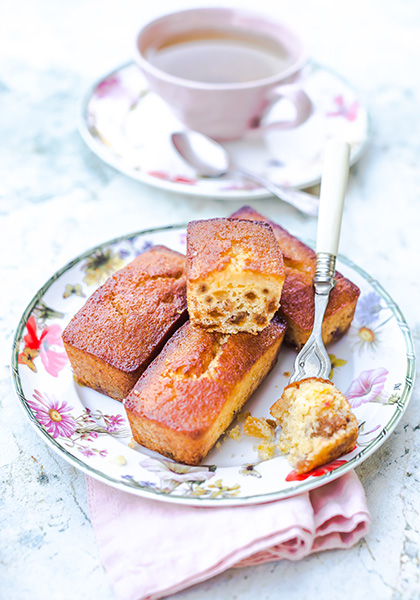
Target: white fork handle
{"points": [[333, 187]]}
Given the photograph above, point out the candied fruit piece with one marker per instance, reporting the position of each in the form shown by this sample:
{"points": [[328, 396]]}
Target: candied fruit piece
{"points": [[260, 428]]}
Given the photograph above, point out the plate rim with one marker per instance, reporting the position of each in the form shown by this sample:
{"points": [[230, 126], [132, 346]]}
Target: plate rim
{"points": [[107, 156], [301, 486]]}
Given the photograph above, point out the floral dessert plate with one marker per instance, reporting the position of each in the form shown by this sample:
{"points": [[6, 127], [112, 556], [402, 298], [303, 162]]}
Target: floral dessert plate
{"points": [[373, 364], [129, 127]]}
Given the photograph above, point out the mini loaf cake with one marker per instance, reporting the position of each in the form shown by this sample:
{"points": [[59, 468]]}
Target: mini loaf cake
{"points": [[297, 300], [125, 323], [190, 393], [317, 425], [235, 275]]}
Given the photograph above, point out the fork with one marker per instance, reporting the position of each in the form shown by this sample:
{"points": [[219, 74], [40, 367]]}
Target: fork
{"points": [[313, 359]]}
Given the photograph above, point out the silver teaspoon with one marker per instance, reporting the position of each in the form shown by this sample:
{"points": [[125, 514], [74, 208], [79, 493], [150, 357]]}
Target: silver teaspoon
{"points": [[313, 359], [211, 159]]}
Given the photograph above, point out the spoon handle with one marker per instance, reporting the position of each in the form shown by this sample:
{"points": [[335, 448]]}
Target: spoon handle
{"points": [[306, 203]]}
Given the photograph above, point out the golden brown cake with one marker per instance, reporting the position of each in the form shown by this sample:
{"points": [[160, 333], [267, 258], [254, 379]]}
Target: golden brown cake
{"points": [[190, 393], [235, 275], [297, 300], [317, 425], [125, 323]]}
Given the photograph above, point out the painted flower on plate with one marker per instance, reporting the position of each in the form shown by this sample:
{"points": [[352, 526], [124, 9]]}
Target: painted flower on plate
{"points": [[100, 265], [365, 329], [173, 178], [366, 387], [46, 343], [111, 86], [147, 244], [335, 364], [249, 469], [368, 309], [172, 471], [345, 109], [75, 289], [294, 476], [114, 422], [114, 88], [27, 357], [365, 437], [53, 415], [43, 312], [219, 490], [86, 451]]}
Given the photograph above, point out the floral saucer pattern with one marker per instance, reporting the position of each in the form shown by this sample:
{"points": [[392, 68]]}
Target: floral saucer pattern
{"points": [[129, 127], [373, 364]]}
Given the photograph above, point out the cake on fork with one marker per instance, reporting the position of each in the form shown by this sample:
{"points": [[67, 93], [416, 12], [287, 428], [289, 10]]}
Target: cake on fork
{"points": [[317, 425]]}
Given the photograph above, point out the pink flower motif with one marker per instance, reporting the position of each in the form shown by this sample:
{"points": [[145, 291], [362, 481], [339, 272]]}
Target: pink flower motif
{"points": [[86, 451], [53, 415], [366, 387], [114, 422], [173, 178], [109, 87], [48, 338], [53, 361], [349, 112]]}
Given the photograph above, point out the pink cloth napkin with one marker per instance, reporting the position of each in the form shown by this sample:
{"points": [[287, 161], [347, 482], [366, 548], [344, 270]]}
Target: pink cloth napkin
{"points": [[151, 549]]}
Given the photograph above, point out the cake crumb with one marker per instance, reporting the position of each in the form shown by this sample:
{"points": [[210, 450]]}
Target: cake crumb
{"points": [[243, 416], [132, 443], [260, 428], [266, 450], [234, 433], [118, 460]]}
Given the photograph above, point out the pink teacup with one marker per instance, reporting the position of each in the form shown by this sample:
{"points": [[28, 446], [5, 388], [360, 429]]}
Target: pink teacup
{"points": [[221, 69]]}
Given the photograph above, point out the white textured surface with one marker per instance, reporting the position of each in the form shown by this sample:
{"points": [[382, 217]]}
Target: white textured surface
{"points": [[57, 199]]}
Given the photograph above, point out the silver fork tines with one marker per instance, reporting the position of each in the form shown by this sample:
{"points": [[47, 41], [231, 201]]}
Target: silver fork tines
{"points": [[313, 359]]}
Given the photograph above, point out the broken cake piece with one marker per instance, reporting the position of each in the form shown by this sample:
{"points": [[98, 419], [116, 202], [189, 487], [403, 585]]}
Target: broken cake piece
{"points": [[297, 298], [317, 424], [235, 275]]}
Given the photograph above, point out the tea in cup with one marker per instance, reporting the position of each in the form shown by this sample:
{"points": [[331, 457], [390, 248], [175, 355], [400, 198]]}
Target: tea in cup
{"points": [[220, 69]]}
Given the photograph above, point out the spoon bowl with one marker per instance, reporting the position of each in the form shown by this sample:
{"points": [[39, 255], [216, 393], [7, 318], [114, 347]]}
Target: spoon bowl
{"points": [[211, 159], [208, 157]]}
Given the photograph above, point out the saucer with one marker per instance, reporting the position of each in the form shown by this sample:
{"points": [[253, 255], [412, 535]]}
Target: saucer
{"points": [[129, 127]]}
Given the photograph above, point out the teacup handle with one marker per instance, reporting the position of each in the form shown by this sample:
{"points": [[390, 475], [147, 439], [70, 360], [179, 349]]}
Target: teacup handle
{"points": [[300, 100]]}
